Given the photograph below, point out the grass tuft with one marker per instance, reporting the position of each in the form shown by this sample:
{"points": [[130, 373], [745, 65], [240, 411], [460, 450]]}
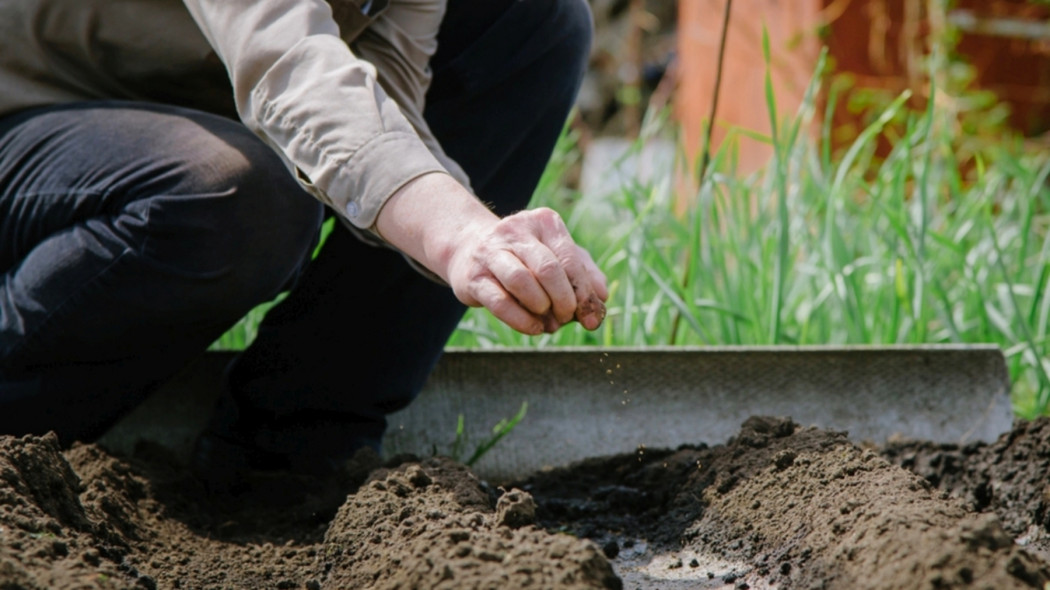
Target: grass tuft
{"points": [[920, 245]]}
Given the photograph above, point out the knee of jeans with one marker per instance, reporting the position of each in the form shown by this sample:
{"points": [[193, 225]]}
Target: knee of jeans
{"points": [[241, 231], [278, 225]]}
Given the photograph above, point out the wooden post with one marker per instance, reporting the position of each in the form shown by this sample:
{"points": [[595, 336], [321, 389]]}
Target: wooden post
{"points": [[792, 27]]}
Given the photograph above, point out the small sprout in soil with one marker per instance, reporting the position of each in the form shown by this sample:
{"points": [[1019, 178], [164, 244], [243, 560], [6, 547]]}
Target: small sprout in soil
{"points": [[500, 430]]}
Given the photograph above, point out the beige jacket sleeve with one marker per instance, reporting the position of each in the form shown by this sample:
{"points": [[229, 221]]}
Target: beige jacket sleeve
{"points": [[298, 85]]}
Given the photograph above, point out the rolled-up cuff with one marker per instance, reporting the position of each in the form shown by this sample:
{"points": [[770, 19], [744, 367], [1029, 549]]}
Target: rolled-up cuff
{"points": [[378, 170], [381, 167]]}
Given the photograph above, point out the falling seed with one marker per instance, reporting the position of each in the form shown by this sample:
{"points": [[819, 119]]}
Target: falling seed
{"points": [[617, 365], [608, 371]]}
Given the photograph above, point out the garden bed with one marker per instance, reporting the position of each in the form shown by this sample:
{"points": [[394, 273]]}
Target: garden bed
{"points": [[777, 506]]}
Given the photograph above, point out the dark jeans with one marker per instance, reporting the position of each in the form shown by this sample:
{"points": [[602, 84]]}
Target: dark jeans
{"points": [[132, 235]]}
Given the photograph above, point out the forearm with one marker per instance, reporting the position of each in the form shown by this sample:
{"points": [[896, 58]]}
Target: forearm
{"points": [[429, 216]]}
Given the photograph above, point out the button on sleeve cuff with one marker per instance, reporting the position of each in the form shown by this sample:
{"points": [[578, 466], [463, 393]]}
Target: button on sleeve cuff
{"points": [[378, 170]]}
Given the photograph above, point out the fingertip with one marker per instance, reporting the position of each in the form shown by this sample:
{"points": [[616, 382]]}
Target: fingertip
{"points": [[535, 328], [591, 312], [591, 322], [551, 324]]}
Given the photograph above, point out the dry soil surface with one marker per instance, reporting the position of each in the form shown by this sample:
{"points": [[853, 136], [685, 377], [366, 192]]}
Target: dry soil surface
{"points": [[776, 506]]}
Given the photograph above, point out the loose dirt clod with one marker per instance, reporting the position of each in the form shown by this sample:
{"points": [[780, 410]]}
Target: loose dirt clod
{"points": [[777, 506]]}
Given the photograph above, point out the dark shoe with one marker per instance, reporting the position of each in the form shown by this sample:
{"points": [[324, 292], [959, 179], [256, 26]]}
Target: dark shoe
{"points": [[224, 455], [239, 481], [224, 464], [228, 466], [239, 445]]}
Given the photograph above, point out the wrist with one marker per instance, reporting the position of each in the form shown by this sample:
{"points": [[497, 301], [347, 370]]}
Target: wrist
{"points": [[430, 218]]}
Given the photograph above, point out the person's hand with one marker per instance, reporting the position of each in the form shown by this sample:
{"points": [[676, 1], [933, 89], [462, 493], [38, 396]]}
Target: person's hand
{"points": [[526, 269]]}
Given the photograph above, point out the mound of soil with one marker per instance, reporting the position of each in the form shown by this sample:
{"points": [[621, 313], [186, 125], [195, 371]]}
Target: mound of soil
{"points": [[780, 506], [1010, 478], [777, 506]]}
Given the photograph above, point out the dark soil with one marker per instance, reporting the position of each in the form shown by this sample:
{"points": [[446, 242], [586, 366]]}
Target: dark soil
{"points": [[777, 506], [780, 506]]}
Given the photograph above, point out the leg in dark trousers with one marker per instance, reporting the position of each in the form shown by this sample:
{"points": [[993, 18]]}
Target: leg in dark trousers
{"points": [[359, 335], [131, 236]]}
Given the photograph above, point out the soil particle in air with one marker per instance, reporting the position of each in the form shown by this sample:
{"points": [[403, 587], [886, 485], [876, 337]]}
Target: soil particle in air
{"points": [[777, 506]]}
